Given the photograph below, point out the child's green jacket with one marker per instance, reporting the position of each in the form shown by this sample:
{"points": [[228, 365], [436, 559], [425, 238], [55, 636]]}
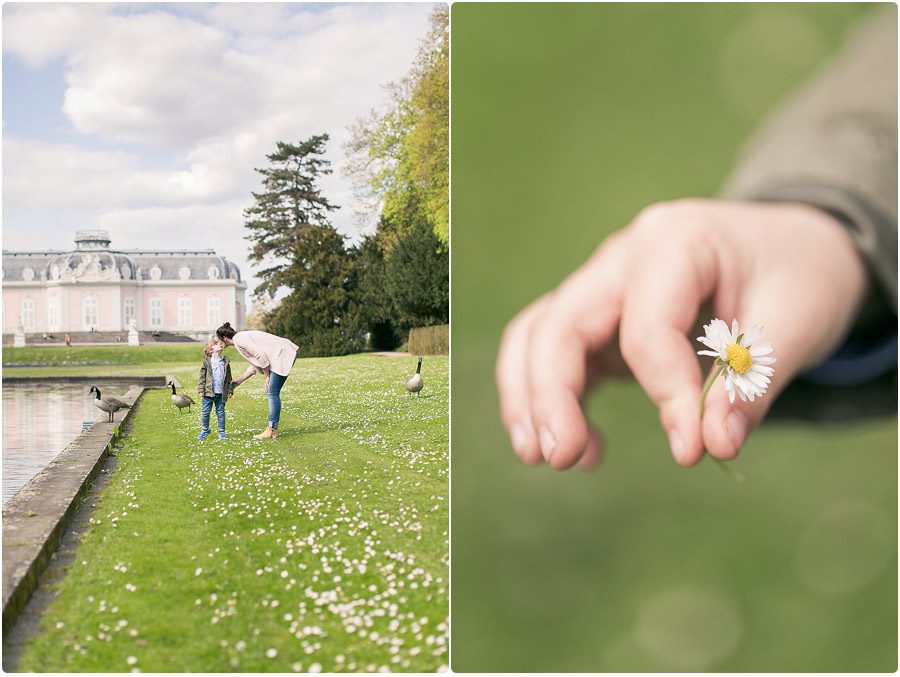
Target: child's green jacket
{"points": [[205, 382]]}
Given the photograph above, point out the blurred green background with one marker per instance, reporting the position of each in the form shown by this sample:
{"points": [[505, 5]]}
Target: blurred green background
{"points": [[566, 121]]}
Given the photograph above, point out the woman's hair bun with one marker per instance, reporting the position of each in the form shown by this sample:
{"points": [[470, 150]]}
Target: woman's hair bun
{"points": [[226, 331]]}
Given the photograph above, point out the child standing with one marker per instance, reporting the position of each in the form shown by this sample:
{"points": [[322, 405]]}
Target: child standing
{"points": [[214, 386]]}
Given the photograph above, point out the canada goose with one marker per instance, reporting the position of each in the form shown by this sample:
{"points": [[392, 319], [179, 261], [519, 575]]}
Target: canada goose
{"points": [[414, 383], [180, 401], [108, 404]]}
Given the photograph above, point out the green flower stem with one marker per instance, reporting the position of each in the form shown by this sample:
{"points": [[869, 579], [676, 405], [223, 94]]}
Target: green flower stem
{"points": [[734, 474], [708, 386]]}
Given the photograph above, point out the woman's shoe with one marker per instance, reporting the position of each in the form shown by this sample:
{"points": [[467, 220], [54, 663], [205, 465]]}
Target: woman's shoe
{"points": [[268, 433]]}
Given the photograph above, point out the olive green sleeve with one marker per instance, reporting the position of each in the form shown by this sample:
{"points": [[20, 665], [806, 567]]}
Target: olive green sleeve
{"points": [[833, 145], [201, 381]]}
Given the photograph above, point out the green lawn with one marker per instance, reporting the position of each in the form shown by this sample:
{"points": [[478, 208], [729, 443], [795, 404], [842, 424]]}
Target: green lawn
{"points": [[326, 549], [568, 119], [162, 353], [180, 359]]}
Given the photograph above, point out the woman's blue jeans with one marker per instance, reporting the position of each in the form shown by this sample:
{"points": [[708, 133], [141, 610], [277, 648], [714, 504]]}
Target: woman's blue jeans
{"points": [[274, 393]]}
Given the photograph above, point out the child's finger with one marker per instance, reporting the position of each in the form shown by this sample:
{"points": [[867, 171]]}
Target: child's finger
{"points": [[664, 293], [581, 316], [512, 383]]}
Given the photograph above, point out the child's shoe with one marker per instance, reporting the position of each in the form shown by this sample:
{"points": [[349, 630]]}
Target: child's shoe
{"points": [[203, 435], [222, 435]]}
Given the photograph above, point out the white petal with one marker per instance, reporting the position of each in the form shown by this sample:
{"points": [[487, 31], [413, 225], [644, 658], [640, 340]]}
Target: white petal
{"points": [[719, 334], [756, 379], [751, 336], [764, 360], [766, 371], [729, 386], [713, 338], [741, 383], [717, 325], [709, 352], [761, 349]]}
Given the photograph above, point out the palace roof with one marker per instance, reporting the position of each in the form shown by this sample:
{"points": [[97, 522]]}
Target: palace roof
{"points": [[93, 260]]}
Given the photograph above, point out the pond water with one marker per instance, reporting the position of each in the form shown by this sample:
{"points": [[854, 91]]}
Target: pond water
{"points": [[39, 421]]}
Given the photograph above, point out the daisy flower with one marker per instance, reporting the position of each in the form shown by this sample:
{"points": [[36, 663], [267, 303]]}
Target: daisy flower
{"points": [[744, 361]]}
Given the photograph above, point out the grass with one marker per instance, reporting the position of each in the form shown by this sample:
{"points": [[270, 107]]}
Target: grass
{"points": [[180, 359], [326, 549], [163, 353]]}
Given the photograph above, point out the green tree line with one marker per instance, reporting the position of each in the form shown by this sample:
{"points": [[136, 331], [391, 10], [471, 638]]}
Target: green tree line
{"points": [[342, 297]]}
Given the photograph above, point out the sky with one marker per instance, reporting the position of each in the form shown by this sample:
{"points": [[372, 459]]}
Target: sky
{"points": [[147, 120]]}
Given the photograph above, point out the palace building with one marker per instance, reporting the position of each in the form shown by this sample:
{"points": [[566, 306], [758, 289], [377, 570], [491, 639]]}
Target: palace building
{"points": [[93, 286]]}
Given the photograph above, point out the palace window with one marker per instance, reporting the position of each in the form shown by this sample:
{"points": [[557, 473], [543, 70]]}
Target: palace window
{"points": [[156, 312], [185, 311], [90, 312], [213, 311], [128, 311], [28, 313], [53, 313]]}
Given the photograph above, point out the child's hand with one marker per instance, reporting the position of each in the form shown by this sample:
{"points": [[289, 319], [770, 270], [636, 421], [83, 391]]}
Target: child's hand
{"points": [[629, 309]]}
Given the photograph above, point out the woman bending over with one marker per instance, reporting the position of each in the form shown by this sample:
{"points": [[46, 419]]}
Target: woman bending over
{"points": [[269, 355]]}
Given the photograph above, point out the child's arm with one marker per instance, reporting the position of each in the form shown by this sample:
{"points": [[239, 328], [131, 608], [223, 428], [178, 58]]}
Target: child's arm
{"points": [[201, 381]]}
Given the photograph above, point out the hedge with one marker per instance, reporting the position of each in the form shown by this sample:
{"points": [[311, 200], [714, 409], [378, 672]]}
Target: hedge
{"points": [[430, 340]]}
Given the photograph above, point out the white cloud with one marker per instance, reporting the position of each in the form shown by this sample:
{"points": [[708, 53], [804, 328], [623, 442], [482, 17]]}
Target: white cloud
{"points": [[158, 79], [38, 33], [41, 175], [215, 85]]}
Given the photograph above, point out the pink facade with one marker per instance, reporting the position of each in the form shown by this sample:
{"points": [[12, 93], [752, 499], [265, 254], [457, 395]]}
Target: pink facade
{"points": [[188, 292]]}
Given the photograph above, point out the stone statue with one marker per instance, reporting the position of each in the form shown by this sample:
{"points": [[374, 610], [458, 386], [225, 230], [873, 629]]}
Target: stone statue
{"points": [[19, 338], [133, 339]]}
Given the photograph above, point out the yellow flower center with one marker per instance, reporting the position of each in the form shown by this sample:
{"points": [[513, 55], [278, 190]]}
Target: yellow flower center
{"points": [[739, 358]]}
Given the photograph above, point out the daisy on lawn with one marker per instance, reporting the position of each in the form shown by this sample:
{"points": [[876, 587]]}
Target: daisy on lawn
{"points": [[744, 361]]}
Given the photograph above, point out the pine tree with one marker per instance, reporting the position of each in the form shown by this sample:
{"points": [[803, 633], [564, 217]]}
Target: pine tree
{"points": [[289, 209], [290, 230], [417, 271]]}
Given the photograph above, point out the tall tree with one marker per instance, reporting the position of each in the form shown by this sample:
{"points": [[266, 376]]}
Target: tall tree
{"points": [[429, 138], [290, 231], [322, 314], [417, 271], [401, 156], [398, 162], [387, 329], [289, 210]]}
